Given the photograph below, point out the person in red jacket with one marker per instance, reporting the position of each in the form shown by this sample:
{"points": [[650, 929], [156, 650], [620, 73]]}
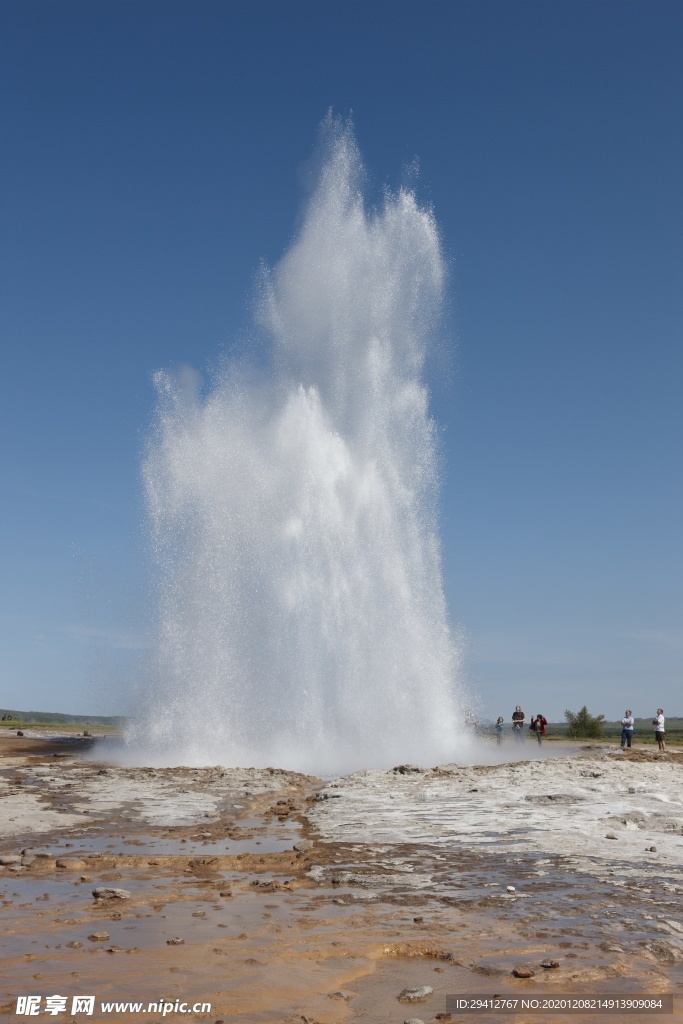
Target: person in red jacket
{"points": [[538, 724]]}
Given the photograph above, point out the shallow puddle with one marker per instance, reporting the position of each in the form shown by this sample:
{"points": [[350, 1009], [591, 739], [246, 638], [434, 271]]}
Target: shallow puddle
{"points": [[141, 844]]}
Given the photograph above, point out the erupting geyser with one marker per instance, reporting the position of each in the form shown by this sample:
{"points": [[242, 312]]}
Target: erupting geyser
{"points": [[293, 513]]}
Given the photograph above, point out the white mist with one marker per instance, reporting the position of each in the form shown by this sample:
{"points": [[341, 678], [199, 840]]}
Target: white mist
{"points": [[293, 514]]}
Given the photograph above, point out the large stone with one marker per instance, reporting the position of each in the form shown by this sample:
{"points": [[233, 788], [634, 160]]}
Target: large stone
{"points": [[103, 892], [415, 995]]}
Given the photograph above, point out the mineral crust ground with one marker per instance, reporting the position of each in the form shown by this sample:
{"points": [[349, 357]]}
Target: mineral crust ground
{"points": [[278, 897]]}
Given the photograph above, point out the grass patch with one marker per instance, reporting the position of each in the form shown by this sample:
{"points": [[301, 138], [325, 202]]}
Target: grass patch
{"points": [[643, 731], [46, 720]]}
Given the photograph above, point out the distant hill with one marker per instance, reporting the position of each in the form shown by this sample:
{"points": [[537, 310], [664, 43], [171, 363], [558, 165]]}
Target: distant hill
{"points": [[52, 718]]}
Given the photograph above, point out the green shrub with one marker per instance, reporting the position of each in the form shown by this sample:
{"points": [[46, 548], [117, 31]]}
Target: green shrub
{"points": [[584, 726]]}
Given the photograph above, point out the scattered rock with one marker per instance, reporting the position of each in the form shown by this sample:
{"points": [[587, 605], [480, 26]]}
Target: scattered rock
{"points": [[341, 995], [175, 941], [71, 864], [611, 835], [523, 972], [651, 849], [9, 859], [418, 920], [548, 964], [666, 823], [413, 1020], [555, 798], [74, 945], [511, 888], [303, 845], [408, 769], [103, 892], [486, 971], [415, 995], [98, 937], [664, 952]]}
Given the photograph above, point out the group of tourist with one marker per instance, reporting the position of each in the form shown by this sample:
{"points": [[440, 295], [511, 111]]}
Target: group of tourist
{"points": [[539, 722], [537, 725], [628, 722]]}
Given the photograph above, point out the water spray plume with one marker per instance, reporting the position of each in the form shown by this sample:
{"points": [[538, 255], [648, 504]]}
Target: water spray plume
{"points": [[293, 513]]}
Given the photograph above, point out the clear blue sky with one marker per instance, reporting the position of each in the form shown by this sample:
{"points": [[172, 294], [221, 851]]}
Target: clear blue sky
{"points": [[154, 154]]}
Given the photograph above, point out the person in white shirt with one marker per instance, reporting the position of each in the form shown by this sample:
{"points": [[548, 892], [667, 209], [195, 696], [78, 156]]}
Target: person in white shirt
{"points": [[626, 729], [658, 723]]}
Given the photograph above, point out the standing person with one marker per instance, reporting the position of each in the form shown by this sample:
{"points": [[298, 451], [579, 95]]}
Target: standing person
{"points": [[538, 724], [626, 729], [658, 723], [500, 725], [518, 720]]}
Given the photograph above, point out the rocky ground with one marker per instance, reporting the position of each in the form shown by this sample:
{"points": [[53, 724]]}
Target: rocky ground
{"points": [[279, 897]]}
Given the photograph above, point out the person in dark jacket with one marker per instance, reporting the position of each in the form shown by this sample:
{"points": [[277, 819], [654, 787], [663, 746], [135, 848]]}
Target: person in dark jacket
{"points": [[518, 720], [538, 725]]}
